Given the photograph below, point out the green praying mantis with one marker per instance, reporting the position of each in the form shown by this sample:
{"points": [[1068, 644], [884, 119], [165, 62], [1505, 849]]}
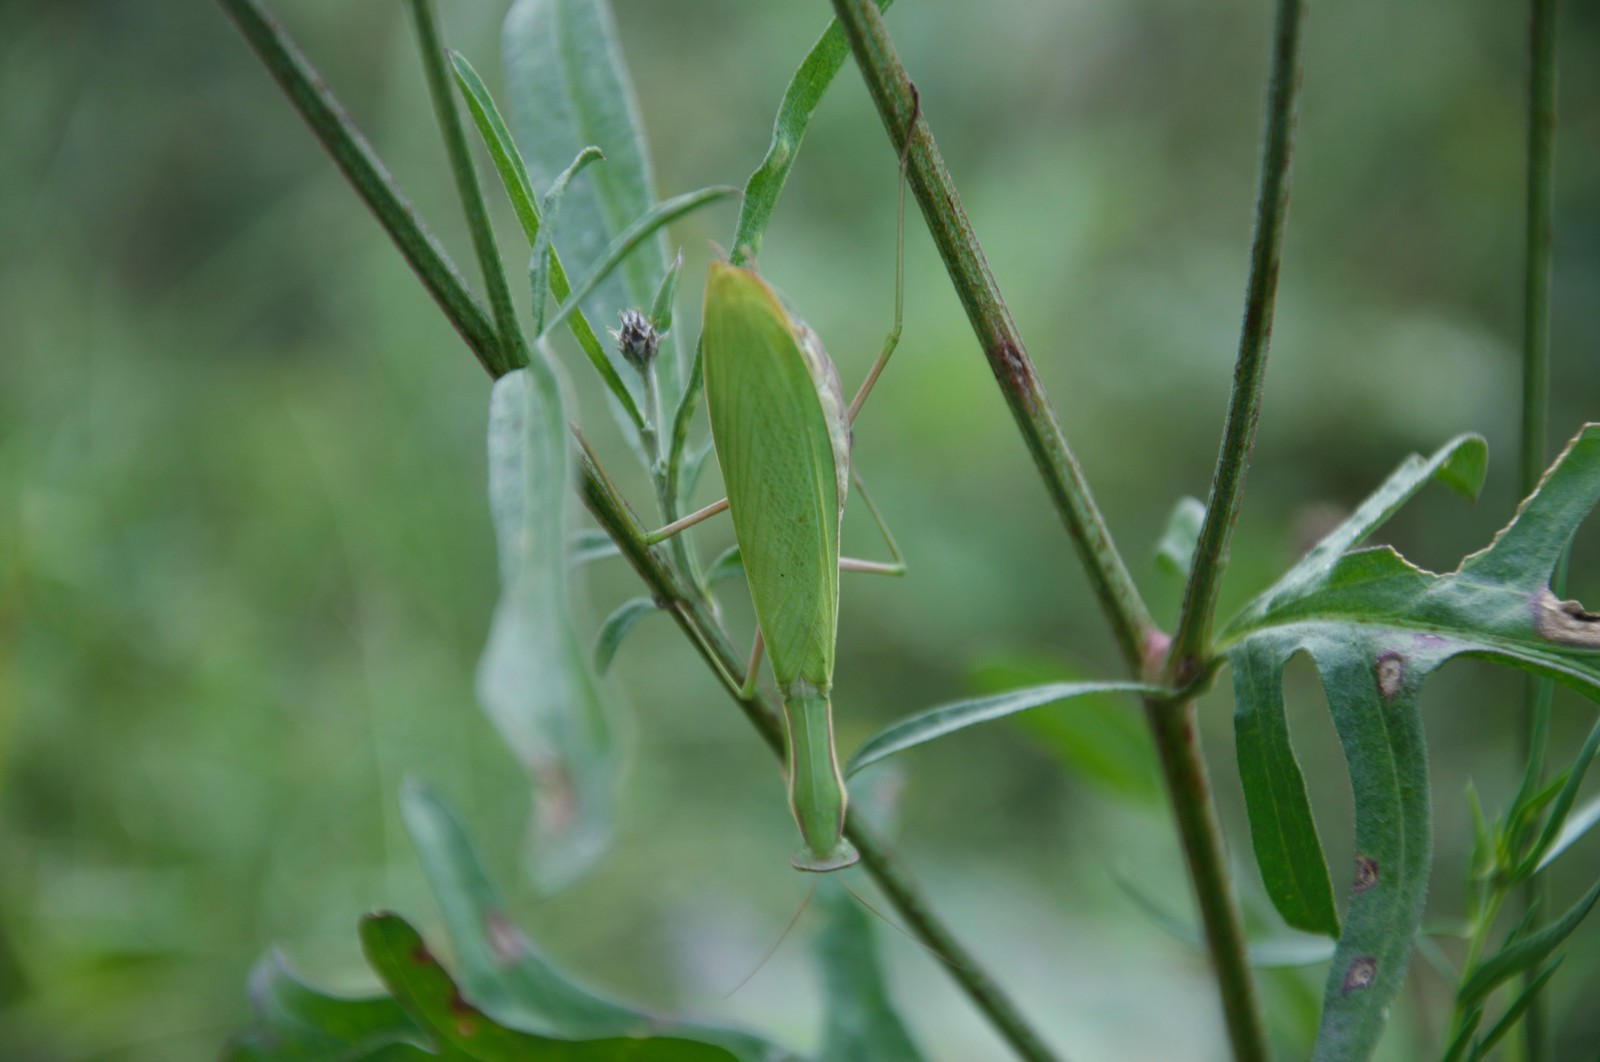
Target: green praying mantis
{"points": [[782, 436]]}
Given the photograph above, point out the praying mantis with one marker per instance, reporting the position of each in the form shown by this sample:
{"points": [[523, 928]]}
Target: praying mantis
{"points": [[782, 436]]}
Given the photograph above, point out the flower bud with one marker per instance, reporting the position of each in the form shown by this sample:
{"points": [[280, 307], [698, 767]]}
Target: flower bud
{"points": [[637, 339]]}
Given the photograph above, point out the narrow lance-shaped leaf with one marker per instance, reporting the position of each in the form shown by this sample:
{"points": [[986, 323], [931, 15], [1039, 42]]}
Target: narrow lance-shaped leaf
{"points": [[534, 679], [616, 627], [926, 726], [1514, 1012], [519, 190], [569, 87], [800, 99], [646, 225], [1524, 954]]}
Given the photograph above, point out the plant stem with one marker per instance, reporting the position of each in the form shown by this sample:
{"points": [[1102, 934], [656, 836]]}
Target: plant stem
{"points": [[441, 86], [1192, 638], [362, 168], [687, 606], [1172, 726], [991, 321], [376, 187], [1542, 81]]}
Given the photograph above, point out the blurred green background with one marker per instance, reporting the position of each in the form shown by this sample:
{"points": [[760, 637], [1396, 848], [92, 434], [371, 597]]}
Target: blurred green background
{"points": [[246, 567]]}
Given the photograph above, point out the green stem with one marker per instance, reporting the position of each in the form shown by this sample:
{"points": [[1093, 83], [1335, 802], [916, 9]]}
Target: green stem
{"points": [[1172, 726], [374, 184], [991, 321], [441, 86], [367, 175], [688, 608], [1542, 81], [1192, 639]]}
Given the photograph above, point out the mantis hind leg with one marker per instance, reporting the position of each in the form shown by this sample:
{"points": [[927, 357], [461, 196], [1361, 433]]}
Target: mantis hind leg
{"points": [[851, 564], [892, 340]]}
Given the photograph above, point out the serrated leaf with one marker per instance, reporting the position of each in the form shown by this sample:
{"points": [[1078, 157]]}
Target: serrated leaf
{"points": [[1375, 626], [426, 990], [926, 726], [616, 627], [295, 1021], [501, 970], [862, 1024], [534, 679], [569, 87], [1525, 953], [1175, 551]]}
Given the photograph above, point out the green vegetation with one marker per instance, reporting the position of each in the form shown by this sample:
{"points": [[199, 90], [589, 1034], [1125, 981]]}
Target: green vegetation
{"points": [[268, 659]]}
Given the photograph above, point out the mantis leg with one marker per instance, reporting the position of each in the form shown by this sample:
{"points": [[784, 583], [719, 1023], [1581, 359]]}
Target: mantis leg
{"points": [[892, 340], [683, 523], [851, 564], [747, 688]]}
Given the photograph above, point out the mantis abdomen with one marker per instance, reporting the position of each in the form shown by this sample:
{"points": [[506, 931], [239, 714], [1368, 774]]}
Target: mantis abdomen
{"points": [[816, 786]]}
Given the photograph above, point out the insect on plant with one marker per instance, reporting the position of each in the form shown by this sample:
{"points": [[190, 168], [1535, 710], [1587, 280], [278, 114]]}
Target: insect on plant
{"points": [[782, 435]]}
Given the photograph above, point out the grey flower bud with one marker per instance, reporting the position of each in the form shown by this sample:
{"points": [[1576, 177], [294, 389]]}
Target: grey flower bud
{"points": [[637, 339]]}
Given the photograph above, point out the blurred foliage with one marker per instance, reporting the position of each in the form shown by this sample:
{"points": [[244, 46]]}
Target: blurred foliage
{"points": [[246, 566]]}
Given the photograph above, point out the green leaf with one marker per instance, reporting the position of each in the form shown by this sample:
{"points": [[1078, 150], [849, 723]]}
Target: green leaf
{"points": [[550, 207], [425, 989], [295, 1021], [862, 1024], [1554, 838], [1101, 740], [1285, 951], [519, 189], [800, 100], [727, 566], [534, 679], [502, 149], [501, 971], [1376, 626], [1578, 823], [1514, 1013], [1175, 551], [923, 727], [569, 87], [646, 225], [666, 294], [1282, 830], [588, 546], [616, 627], [1524, 954]]}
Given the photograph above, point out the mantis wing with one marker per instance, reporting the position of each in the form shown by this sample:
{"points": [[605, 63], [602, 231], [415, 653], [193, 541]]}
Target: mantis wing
{"points": [[770, 393]]}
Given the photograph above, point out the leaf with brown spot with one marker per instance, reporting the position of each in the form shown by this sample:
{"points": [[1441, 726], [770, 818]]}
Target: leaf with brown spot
{"points": [[1376, 626]]}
